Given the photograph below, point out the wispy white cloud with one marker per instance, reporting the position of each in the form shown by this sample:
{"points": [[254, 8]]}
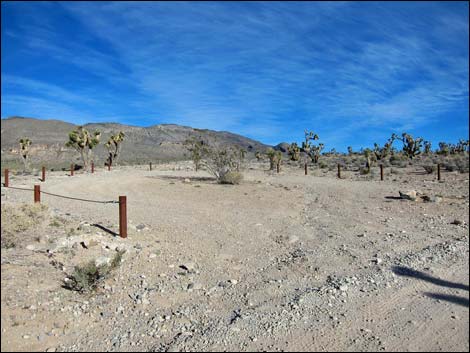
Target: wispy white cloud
{"points": [[267, 70]]}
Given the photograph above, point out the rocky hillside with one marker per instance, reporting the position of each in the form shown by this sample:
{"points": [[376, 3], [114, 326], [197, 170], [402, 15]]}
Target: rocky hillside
{"points": [[143, 144]]}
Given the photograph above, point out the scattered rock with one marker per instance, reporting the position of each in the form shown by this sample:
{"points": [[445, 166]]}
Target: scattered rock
{"points": [[408, 195], [102, 261], [189, 266]]}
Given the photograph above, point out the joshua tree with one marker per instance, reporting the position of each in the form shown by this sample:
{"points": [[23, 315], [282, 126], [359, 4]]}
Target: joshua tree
{"points": [[427, 147], [382, 152], [443, 148], [312, 150], [24, 152], [241, 158], [294, 152], [196, 148], [370, 157], [273, 157], [114, 148], [350, 151], [462, 146], [258, 156], [84, 142], [411, 146]]}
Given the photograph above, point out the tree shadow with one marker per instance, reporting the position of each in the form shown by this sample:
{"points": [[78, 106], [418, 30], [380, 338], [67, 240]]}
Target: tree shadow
{"points": [[182, 178], [450, 298], [109, 231], [409, 272]]}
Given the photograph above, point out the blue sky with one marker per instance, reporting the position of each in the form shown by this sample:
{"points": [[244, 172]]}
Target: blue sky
{"points": [[353, 72]]}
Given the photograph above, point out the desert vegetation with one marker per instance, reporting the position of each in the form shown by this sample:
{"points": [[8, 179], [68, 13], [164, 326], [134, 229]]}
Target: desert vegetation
{"points": [[278, 254], [83, 141]]}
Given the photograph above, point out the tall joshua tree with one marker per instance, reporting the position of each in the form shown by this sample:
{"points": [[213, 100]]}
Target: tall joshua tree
{"points": [[24, 152], [84, 142], [382, 152], [308, 147], [114, 148], [196, 147], [294, 151], [411, 146]]}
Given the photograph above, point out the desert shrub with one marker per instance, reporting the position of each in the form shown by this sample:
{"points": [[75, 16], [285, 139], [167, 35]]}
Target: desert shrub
{"points": [[395, 171], [429, 168], [86, 278], [462, 166], [17, 220], [450, 167], [220, 161], [364, 170], [322, 165], [233, 178]]}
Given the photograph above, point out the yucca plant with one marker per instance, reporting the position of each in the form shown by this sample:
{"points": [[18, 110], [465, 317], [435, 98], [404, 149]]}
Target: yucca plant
{"points": [[84, 142], [114, 146], [25, 143]]}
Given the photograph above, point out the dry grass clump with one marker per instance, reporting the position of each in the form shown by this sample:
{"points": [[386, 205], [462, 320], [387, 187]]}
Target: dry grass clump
{"points": [[86, 278], [19, 219], [233, 178]]}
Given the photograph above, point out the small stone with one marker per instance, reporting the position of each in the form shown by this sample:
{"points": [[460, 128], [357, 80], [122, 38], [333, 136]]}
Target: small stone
{"points": [[408, 195], [186, 180], [102, 261], [30, 247], [152, 256], [343, 288], [189, 266], [456, 222]]}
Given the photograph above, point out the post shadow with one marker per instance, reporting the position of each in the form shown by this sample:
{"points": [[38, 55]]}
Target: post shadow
{"points": [[409, 272]]}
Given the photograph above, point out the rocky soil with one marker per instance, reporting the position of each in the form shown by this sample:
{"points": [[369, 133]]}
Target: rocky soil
{"points": [[282, 262]]}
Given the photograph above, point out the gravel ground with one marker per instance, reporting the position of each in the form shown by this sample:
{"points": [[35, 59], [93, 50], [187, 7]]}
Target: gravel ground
{"points": [[282, 262]]}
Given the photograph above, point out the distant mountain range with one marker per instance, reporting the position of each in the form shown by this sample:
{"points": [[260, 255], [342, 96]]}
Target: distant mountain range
{"points": [[142, 144]]}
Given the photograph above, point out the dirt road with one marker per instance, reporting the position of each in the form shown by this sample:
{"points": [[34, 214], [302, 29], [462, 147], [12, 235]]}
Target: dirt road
{"points": [[280, 262]]}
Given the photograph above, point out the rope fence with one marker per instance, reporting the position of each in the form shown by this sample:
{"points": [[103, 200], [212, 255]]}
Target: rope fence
{"points": [[122, 204]]}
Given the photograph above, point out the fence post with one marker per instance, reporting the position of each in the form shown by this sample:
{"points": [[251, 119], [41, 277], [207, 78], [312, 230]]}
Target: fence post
{"points": [[123, 216], [7, 181], [306, 169], [150, 166], [37, 193], [381, 172], [92, 167], [339, 171], [438, 171], [109, 166], [43, 173], [277, 167], [72, 167]]}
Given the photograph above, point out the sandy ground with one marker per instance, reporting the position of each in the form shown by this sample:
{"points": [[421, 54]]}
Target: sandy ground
{"points": [[282, 262]]}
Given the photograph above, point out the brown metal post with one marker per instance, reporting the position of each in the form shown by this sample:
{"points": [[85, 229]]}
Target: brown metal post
{"points": [[381, 172], [306, 169], [92, 167], [37, 193], [123, 216], [43, 173], [277, 167], [72, 167], [438, 171], [7, 181], [339, 171], [150, 166], [109, 167]]}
